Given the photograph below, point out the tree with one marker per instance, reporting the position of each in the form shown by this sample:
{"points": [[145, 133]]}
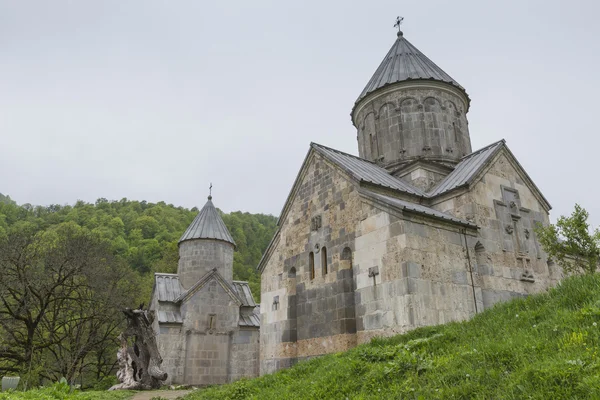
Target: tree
{"points": [[571, 242], [6, 199], [60, 293], [139, 359], [145, 235]]}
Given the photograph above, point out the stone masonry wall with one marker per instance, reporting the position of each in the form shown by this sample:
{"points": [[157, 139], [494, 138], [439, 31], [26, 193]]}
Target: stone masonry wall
{"points": [[405, 270], [169, 342], [413, 120], [411, 272], [198, 257], [210, 319], [509, 260], [244, 357], [301, 315], [170, 346], [423, 178]]}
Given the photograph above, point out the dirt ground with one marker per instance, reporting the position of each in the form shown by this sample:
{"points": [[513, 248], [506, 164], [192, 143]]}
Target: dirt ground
{"points": [[166, 394]]}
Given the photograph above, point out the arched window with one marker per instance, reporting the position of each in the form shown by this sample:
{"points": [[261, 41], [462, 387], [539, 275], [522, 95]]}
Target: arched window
{"points": [[311, 264], [346, 259], [454, 132], [292, 273], [373, 145], [346, 254], [324, 260], [480, 259]]}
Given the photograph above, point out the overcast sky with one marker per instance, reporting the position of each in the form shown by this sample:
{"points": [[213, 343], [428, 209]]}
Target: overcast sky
{"points": [[153, 100]]}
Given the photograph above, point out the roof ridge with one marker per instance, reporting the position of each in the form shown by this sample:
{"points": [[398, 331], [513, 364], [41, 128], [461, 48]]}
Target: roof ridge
{"points": [[422, 55], [467, 167], [313, 144], [474, 153]]}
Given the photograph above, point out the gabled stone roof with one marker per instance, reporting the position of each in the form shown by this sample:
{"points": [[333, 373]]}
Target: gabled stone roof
{"points": [[168, 289], [208, 224], [404, 62], [471, 166], [242, 289], [365, 171], [467, 168], [251, 318], [210, 275], [465, 172], [169, 317]]}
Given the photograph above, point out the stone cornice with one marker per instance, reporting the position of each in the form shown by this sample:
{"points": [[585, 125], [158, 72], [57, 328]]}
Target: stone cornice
{"points": [[414, 84], [410, 215]]}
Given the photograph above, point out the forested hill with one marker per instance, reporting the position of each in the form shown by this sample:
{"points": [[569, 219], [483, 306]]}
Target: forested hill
{"points": [[146, 234]]}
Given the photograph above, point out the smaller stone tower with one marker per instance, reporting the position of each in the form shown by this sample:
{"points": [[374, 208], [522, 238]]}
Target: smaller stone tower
{"points": [[207, 324], [205, 245], [411, 110]]}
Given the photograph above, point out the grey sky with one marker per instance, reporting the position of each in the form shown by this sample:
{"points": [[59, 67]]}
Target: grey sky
{"points": [[152, 100]]}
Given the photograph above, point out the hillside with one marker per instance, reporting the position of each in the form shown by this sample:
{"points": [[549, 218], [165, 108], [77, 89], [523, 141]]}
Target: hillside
{"points": [[145, 234], [541, 347]]}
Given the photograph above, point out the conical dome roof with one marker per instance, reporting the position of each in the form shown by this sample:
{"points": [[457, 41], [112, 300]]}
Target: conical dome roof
{"points": [[208, 224], [405, 62]]}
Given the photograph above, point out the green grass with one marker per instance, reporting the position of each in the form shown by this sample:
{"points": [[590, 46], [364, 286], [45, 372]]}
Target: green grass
{"points": [[541, 347], [61, 391]]}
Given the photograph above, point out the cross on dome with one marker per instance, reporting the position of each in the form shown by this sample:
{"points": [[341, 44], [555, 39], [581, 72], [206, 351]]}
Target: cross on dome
{"points": [[398, 24]]}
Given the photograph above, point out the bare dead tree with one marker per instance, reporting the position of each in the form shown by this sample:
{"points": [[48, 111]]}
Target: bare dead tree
{"points": [[139, 359]]}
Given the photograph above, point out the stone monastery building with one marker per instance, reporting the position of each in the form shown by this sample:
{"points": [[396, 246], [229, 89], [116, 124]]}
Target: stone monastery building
{"points": [[207, 324], [418, 230]]}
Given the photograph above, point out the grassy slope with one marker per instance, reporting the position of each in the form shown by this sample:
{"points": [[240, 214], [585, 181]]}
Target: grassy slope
{"points": [[541, 347], [59, 393]]}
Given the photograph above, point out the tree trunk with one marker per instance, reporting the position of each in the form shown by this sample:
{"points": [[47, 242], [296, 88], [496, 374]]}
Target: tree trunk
{"points": [[138, 357]]}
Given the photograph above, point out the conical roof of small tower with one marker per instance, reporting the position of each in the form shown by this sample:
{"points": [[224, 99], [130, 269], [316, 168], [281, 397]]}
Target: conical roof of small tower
{"points": [[208, 224], [404, 62]]}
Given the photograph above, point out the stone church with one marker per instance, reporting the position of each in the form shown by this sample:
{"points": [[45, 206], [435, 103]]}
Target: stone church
{"points": [[417, 230], [207, 324]]}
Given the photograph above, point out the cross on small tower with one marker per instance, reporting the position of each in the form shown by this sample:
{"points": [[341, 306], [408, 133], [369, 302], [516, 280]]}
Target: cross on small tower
{"points": [[210, 191], [398, 23]]}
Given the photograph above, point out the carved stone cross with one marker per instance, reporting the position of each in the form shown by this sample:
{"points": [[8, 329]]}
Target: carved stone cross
{"points": [[517, 225]]}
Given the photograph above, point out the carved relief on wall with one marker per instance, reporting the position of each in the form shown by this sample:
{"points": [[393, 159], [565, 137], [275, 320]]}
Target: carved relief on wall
{"points": [[315, 223], [518, 223]]}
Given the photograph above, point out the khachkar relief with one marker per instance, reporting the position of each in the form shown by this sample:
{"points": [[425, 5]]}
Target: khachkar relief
{"points": [[517, 229]]}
